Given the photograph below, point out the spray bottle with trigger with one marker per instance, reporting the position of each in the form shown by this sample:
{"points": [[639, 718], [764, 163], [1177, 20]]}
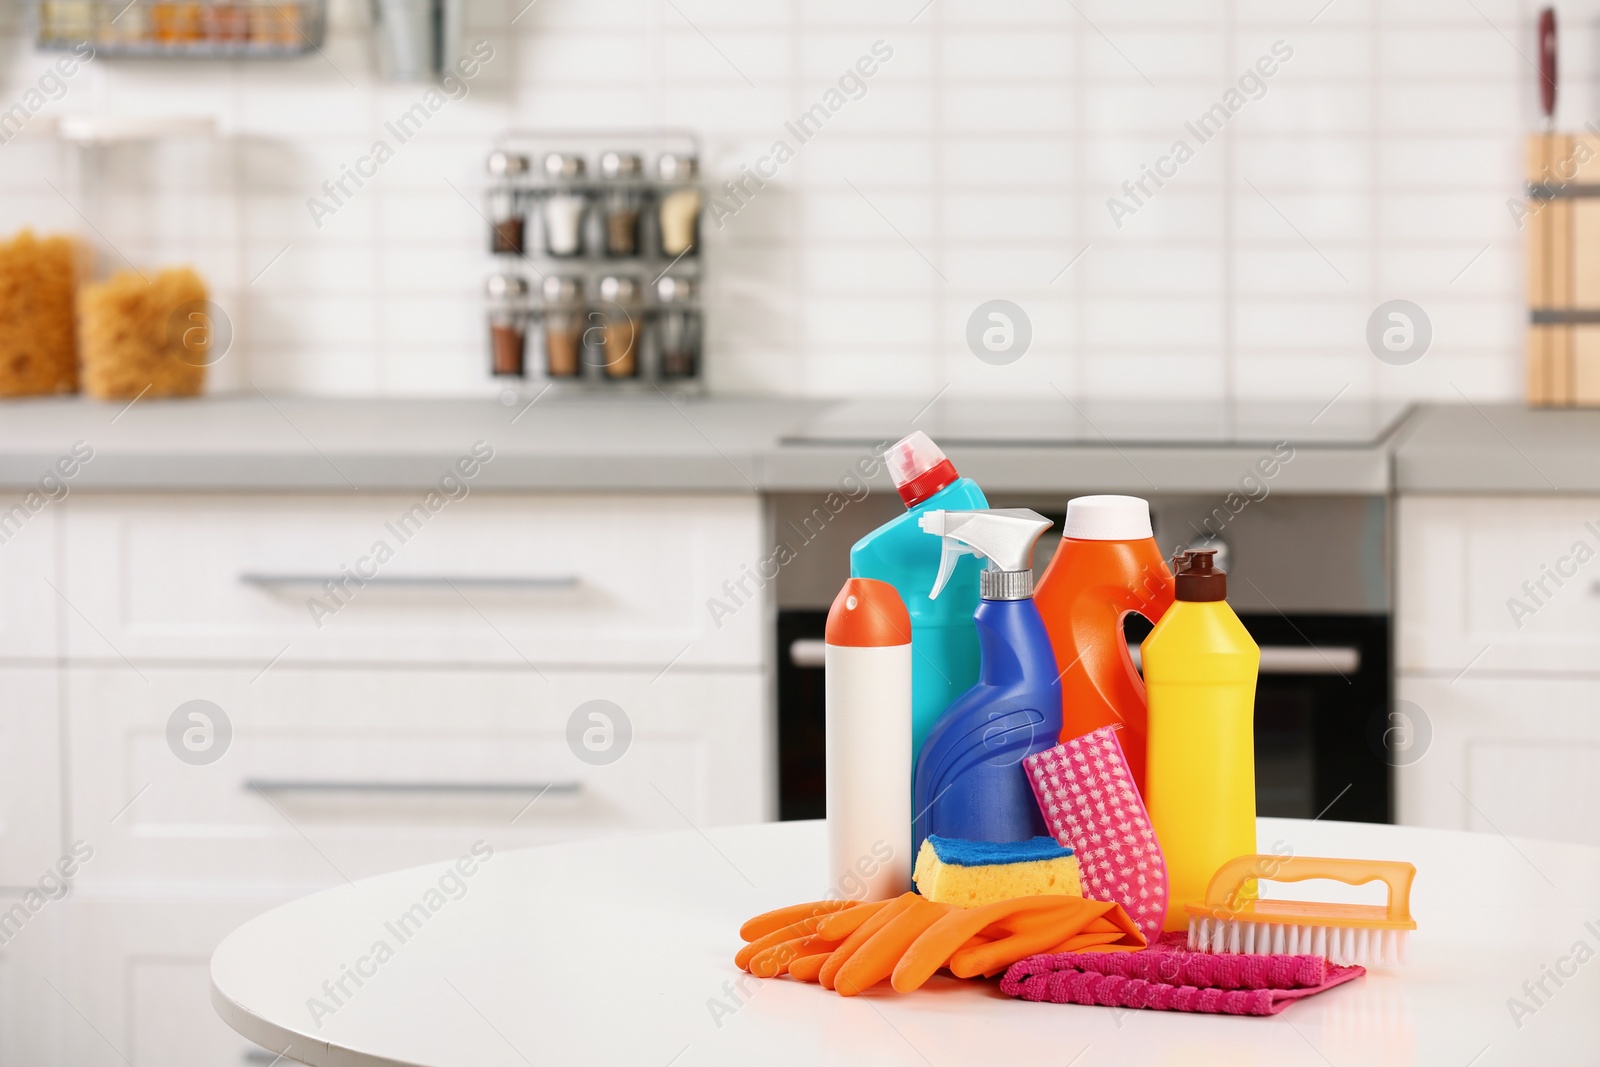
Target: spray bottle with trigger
{"points": [[969, 778]]}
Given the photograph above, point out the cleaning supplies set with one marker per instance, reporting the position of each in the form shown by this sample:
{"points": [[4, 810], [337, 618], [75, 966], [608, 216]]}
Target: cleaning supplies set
{"points": [[1087, 833]]}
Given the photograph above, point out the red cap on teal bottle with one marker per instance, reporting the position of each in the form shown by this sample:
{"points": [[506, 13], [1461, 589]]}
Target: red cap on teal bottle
{"points": [[919, 467]]}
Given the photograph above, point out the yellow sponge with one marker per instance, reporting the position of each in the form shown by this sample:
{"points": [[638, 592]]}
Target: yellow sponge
{"points": [[970, 873]]}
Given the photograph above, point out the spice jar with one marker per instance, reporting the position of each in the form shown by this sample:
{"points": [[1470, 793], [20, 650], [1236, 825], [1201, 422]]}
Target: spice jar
{"points": [[679, 210], [263, 23], [507, 204], [66, 21], [177, 23], [678, 327], [291, 19], [621, 320], [508, 324], [620, 202], [565, 205], [563, 326], [225, 23]]}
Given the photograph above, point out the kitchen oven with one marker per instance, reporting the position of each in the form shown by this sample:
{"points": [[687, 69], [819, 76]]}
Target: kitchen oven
{"points": [[1309, 579]]}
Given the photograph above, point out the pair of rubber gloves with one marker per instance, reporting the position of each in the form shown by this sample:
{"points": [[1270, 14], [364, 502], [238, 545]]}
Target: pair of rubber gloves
{"points": [[849, 946]]}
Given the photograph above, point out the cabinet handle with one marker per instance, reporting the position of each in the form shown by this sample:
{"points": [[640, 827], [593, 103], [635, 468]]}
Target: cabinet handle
{"points": [[1310, 659], [338, 785], [1275, 659], [1299, 659], [549, 581], [808, 652]]}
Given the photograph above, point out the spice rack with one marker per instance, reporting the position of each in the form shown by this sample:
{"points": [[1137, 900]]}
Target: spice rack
{"points": [[597, 270], [202, 29]]}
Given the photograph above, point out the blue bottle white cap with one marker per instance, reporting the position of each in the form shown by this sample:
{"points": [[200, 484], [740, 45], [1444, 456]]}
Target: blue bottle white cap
{"points": [[1107, 518]]}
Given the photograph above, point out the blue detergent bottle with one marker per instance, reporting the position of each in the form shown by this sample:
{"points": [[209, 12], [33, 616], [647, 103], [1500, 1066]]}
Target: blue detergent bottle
{"points": [[970, 782], [944, 646]]}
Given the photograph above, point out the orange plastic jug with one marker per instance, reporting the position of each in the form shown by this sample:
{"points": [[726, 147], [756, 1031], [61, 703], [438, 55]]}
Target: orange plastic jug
{"points": [[1108, 565]]}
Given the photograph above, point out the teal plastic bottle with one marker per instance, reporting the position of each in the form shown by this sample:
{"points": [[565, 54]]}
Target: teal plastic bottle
{"points": [[944, 641]]}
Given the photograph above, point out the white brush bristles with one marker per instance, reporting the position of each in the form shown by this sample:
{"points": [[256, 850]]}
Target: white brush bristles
{"points": [[1341, 945]]}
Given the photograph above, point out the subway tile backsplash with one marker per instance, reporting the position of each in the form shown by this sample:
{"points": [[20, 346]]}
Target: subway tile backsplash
{"points": [[975, 163]]}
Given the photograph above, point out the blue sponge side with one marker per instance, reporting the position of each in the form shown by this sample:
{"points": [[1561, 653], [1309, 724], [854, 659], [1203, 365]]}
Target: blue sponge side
{"points": [[987, 853]]}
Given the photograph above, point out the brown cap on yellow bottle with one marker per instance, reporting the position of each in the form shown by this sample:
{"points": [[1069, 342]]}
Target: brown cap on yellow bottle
{"points": [[1195, 579]]}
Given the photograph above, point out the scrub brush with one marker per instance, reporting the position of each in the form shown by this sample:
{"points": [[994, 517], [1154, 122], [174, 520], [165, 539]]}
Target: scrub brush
{"points": [[1232, 920]]}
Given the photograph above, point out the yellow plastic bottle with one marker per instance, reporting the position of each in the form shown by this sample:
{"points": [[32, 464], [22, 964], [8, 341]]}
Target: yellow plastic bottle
{"points": [[1200, 669]]}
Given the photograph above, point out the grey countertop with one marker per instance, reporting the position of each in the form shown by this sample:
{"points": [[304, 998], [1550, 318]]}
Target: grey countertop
{"points": [[1498, 448], [651, 442], [280, 443]]}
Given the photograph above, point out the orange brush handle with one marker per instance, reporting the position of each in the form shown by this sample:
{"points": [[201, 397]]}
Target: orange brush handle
{"points": [[1222, 893]]}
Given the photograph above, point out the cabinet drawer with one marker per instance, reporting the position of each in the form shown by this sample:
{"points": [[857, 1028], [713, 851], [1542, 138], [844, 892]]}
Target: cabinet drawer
{"points": [[510, 579], [335, 774], [1501, 584], [30, 625], [139, 972], [30, 774], [1514, 756]]}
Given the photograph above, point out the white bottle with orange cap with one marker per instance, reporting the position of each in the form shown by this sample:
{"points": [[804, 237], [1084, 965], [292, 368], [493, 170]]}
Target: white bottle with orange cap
{"points": [[868, 719]]}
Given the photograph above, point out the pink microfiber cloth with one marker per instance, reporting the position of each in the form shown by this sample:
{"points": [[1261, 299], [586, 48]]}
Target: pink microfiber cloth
{"points": [[1168, 977], [1090, 804]]}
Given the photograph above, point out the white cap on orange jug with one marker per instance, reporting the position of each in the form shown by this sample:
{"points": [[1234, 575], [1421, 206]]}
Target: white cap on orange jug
{"points": [[1107, 518]]}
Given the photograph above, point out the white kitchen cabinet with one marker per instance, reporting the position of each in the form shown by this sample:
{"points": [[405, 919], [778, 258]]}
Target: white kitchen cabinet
{"points": [[137, 974], [1469, 571], [490, 579], [336, 773], [1516, 756], [33, 1016], [430, 709], [30, 773], [1505, 705], [30, 610]]}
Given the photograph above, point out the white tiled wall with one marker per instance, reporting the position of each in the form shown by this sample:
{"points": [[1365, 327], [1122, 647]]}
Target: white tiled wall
{"points": [[977, 165]]}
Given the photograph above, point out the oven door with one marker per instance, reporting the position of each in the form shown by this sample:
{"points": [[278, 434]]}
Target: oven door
{"points": [[1320, 724]]}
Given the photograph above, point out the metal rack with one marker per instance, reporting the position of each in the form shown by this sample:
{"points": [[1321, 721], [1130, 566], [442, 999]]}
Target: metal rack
{"points": [[530, 258], [178, 29]]}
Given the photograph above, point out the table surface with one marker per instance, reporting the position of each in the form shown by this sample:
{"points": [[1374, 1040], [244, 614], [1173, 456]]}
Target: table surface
{"points": [[620, 952]]}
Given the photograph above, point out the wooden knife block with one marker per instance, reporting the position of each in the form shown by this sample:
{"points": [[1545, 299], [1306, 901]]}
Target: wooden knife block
{"points": [[1563, 227]]}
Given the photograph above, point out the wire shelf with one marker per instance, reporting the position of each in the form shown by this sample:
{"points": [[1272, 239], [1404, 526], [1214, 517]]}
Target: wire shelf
{"points": [[180, 29]]}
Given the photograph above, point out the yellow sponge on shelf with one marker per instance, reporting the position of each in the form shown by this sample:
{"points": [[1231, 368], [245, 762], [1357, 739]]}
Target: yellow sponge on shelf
{"points": [[970, 873]]}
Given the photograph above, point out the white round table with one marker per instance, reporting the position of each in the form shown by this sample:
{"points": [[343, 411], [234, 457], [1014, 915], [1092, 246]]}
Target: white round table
{"points": [[621, 952]]}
